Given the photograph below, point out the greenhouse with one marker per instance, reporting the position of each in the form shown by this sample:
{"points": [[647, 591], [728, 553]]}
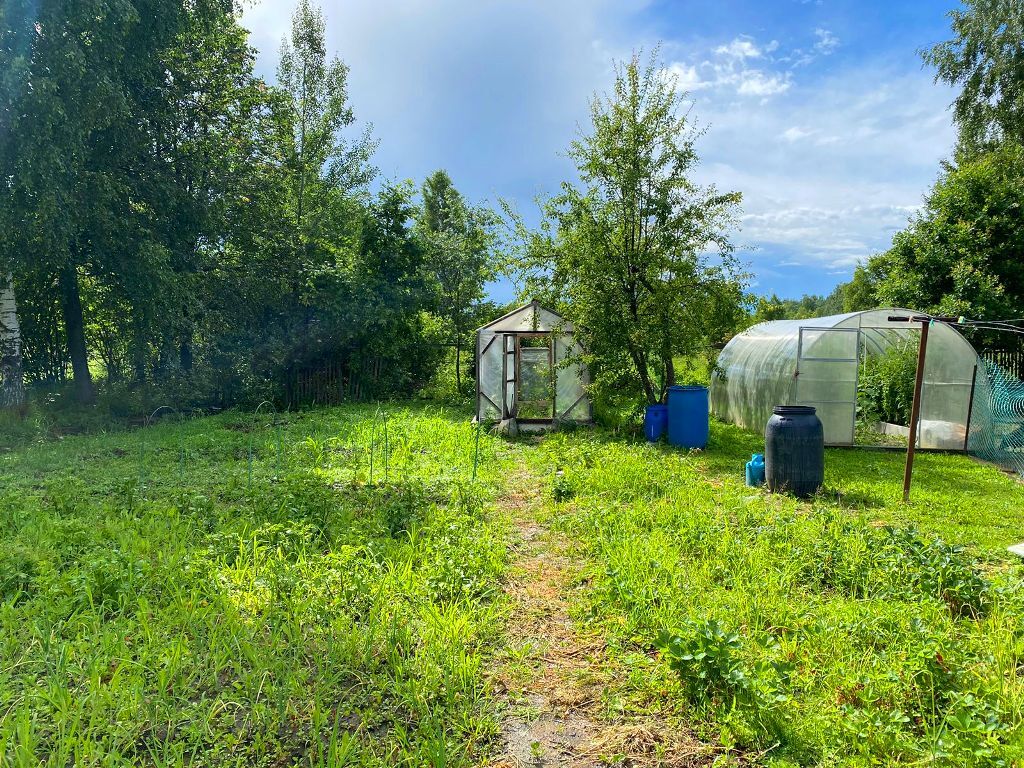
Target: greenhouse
{"points": [[818, 361], [528, 371]]}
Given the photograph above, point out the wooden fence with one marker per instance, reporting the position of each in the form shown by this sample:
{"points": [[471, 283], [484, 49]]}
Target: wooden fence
{"points": [[1010, 360], [331, 382]]}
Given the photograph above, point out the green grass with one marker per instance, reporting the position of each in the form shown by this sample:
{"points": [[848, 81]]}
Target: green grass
{"points": [[310, 617], [163, 604], [840, 631]]}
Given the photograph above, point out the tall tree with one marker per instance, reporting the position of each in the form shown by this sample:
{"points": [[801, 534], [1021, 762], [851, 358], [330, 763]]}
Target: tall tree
{"points": [[321, 165], [985, 58], [962, 254], [631, 256], [458, 240], [77, 138], [207, 126]]}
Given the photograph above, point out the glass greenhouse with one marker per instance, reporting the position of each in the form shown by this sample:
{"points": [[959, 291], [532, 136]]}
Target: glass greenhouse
{"points": [[527, 369], [817, 362]]}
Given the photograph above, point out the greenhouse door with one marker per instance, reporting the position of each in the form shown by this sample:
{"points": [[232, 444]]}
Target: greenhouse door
{"points": [[535, 394], [826, 377]]}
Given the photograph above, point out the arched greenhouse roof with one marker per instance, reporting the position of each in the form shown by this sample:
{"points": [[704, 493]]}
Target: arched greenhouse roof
{"points": [[817, 362]]}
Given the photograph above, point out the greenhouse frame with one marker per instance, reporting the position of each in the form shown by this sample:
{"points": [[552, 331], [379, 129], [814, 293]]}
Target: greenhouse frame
{"points": [[817, 362], [528, 370]]}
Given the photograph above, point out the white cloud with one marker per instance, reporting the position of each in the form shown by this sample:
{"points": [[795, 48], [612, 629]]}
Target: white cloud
{"points": [[756, 83], [739, 48], [687, 77], [729, 69], [828, 174], [830, 165], [494, 98], [796, 133], [827, 42]]}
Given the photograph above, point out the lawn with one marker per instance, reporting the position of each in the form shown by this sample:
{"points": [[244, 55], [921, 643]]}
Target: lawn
{"points": [[167, 601]]}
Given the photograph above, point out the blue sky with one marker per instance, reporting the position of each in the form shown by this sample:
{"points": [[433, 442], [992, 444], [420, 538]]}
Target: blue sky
{"points": [[818, 111]]}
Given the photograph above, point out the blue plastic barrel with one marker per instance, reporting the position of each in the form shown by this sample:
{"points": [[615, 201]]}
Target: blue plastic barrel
{"points": [[655, 422], [688, 416]]}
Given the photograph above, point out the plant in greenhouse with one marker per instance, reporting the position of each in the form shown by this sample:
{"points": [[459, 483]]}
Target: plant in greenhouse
{"points": [[886, 388]]}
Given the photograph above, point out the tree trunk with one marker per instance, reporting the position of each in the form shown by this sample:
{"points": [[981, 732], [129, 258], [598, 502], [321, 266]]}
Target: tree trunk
{"points": [[670, 374], [458, 366], [185, 354], [139, 352], [74, 328], [640, 361], [12, 388]]}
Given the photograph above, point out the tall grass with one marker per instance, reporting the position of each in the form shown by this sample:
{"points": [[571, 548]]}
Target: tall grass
{"points": [[162, 604], [308, 617], [814, 633]]}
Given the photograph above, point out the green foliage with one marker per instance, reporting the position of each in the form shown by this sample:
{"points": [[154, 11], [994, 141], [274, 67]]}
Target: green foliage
{"points": [[458, 241], [960, 255], [710, 662], [315, 601], [985, 58], [885, 390], [195, 229], [625, 255], [853, 296]]}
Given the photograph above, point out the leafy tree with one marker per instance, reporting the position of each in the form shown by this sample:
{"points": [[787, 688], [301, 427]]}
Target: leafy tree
{"points": [[75, 72], [859, 294], [389, 292], [854, 296], [637, 254], [986, 58], [458, 241], [962, 254], [113, 211], [320, 165], [175, 220]]}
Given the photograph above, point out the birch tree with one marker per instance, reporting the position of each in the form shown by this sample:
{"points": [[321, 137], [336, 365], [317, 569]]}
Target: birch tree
{"points": [[12, 391]]}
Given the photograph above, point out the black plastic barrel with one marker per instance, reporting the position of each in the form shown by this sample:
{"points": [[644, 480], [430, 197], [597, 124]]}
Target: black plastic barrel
{"points": [[794, 451]]}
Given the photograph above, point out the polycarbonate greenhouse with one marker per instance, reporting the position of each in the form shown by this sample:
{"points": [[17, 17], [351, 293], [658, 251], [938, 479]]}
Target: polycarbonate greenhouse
{"points": [[817, 362], [527, 369]]}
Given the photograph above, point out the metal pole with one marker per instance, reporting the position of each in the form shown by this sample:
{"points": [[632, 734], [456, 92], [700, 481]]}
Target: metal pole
{"points": [[915, 411], [476, 451], [386, 448], [970, 408]]}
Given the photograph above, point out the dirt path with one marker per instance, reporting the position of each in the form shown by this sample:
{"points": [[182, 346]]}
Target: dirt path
{"points": [[552, 677]]}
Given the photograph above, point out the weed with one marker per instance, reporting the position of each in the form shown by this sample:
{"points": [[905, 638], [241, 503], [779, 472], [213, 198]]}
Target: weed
{"points": [[310, 616], [19, 571]]}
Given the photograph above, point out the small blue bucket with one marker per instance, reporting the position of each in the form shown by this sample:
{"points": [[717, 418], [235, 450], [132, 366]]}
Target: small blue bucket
{"points": [[655, 422], [755, 470]]}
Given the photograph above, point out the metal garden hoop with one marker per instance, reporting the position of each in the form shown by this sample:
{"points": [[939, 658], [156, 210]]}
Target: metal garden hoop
{"points": [[142, 445], [378, 418], [277, 431]]}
